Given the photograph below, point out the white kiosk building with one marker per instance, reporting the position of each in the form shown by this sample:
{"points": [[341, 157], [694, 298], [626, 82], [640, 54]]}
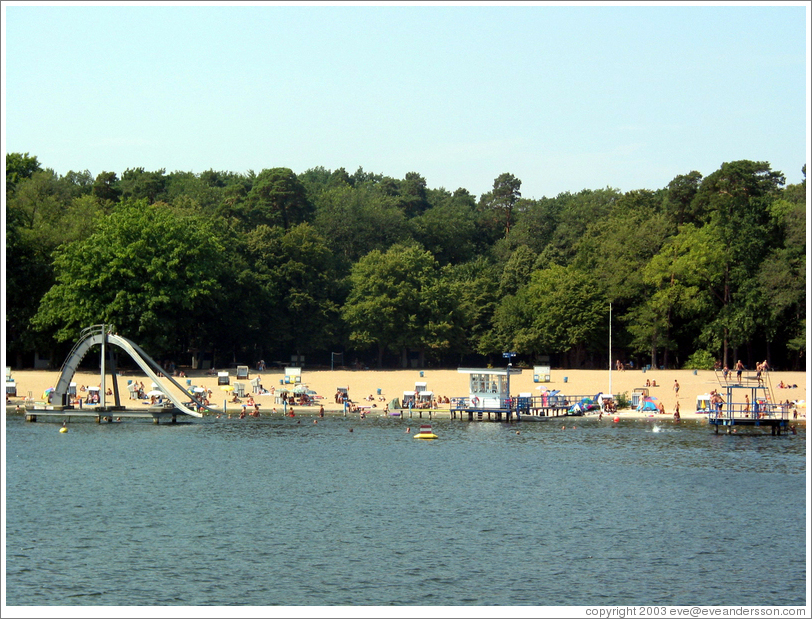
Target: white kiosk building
{"points": [[489, 388]]}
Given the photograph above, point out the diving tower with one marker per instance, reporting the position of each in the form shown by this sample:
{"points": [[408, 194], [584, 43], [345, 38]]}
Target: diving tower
{"points": [[748, 402]]}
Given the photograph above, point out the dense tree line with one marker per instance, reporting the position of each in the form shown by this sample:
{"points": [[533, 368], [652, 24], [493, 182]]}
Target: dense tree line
{"points": [[394, 273]]}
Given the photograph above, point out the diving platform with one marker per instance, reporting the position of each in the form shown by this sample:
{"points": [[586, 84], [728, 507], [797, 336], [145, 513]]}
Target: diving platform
{"points": [[748, 404], [100, 415], [776, 424], [66, 415]]}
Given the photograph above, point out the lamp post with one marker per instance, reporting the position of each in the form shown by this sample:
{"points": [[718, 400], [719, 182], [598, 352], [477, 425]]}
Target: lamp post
{"points": [[508, 356], [611, 393]]}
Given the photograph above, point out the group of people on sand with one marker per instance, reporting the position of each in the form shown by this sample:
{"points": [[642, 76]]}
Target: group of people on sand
{"points": [[783, 385]]}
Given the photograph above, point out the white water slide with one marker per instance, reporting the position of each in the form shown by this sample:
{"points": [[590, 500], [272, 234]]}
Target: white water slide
{"points": [[96, 335]]}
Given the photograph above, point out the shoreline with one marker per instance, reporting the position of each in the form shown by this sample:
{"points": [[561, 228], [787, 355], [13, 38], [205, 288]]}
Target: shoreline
{"points": [[376, 388]]}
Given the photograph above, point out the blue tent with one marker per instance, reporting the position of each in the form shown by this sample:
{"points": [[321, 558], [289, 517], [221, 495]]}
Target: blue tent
{"points": [[581, 407], [647, 404]]}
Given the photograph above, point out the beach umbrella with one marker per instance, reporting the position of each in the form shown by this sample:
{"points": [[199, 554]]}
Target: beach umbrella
{"points": [[155, 393], [199, 390], [227, 388], [92, 388], [300, 389], [47, 392]]}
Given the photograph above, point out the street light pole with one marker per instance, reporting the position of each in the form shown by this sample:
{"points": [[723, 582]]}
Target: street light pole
{"points": [[611, 393], [508, 356]]}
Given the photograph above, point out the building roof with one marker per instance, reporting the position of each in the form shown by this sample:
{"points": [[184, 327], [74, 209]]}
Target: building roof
{"points": [[491, 371]]}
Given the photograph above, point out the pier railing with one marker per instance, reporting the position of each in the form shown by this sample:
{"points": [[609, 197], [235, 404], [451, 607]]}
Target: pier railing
{"points": [[524, 405]]}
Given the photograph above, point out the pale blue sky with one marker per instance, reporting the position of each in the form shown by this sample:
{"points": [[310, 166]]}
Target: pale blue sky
{"points": [[564, 98]]}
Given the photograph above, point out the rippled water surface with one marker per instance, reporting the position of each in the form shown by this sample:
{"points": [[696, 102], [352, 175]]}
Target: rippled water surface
{"points": [[287, 512]]}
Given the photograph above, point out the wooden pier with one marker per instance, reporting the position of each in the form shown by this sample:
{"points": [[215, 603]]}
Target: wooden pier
{"points": [[534, 413]]}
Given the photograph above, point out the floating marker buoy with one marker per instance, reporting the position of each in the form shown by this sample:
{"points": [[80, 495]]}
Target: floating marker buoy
{"points": [[425, 432], [616, 419], [63, 429]]}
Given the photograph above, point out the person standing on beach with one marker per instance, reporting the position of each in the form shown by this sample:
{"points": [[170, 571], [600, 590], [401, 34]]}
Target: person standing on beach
{"points": [[739, 368], [676, 412], [676, 388]]}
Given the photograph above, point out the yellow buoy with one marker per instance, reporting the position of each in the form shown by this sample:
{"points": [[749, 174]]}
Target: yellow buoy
{"points": [[425, 432], [63, 429]]}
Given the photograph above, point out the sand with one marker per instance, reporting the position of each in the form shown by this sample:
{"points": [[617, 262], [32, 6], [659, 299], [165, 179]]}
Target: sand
{"points": [[445, 382]]}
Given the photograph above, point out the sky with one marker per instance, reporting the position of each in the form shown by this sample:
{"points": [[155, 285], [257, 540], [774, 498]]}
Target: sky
{"points": [[564, 97]]}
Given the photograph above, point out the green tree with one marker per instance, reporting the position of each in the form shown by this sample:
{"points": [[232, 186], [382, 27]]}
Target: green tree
{"points": [[448, 228], [574, 213], [193, 191], [41, 216], [517, 271], [385, 307], [474, 287], [502, 199], [310, 284], [620, 244], [155, 275], [19, 166], [536, 224], [679, 282], [781, 278], [413, 199], [355, 221], [105, 187], [137, 183], [561, 310], [734, 201], [680, 195], [276, 198]]}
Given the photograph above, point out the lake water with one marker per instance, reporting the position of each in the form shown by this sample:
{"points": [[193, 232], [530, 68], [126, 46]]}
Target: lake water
{"points": [[287, 512]]}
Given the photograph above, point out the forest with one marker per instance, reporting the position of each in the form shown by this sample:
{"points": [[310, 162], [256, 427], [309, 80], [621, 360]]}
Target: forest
{"points": [[231, 268]]}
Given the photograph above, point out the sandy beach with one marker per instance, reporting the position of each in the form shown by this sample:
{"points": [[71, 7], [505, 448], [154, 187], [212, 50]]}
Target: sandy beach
{"points": [[384, 385]]}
